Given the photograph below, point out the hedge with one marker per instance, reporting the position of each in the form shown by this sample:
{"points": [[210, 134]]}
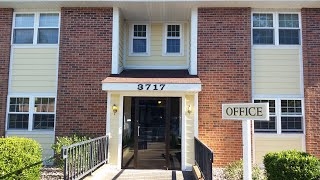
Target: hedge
{"points": [[291, 165], [20, 158]]}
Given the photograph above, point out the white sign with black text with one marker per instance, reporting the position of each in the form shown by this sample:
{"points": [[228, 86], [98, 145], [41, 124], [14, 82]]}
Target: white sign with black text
{"points": [[246, 112]]}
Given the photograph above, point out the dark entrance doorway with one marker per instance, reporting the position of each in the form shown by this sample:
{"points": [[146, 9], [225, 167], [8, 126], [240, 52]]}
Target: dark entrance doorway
{"points": [[155, 134]]}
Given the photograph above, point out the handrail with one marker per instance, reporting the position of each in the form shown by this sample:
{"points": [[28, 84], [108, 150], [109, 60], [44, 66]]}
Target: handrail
{"points": [[84, 157], [203, 158]]}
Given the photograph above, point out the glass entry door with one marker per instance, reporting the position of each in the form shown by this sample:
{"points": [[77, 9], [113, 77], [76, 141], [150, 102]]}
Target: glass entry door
{"points": [[151, 133], [151, 137]]}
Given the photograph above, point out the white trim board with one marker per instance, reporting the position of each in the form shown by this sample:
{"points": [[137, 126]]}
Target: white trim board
{"points": [[167, 87]]}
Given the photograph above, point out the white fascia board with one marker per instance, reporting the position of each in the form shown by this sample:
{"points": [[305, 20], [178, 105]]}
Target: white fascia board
{"points": [[152, 88], [115, 40], [194, 42]]}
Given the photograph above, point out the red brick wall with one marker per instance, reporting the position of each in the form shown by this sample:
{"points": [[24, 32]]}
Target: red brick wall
{"points": [[5, 44], [311, 70], [85, 60], [224, 67]]}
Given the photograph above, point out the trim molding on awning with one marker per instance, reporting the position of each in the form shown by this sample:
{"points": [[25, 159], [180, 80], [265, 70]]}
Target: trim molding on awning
{"points": [[152, 80]]}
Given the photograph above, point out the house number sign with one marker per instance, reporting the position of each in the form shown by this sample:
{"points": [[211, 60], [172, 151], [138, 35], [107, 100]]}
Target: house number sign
{"points": [[154, 87]]}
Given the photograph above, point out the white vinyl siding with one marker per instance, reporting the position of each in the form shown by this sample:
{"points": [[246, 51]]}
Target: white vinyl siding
{"points": [[263, 144], [45, 139], [121, 42], [189, 134], [114, 132], [34, 70], [276, 71]]}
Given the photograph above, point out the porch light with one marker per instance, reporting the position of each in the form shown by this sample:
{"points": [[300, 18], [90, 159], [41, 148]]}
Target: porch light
{"points": [[189, 109], [114, 109]]}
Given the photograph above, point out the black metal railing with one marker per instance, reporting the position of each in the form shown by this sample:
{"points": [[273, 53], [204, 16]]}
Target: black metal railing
{"points": [[203, 158], [82, 158]]}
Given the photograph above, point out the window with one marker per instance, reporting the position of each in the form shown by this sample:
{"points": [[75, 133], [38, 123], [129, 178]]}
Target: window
{"points": [[18, 116], [275, 28], [41, 115], [44, 113], [173, 39], [139, 39], [36, 28], [285, 116], [291, 116]]}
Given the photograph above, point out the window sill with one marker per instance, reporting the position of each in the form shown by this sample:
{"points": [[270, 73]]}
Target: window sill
{"points": [[17, 132], [139, 54], [272, 46], [35, 45], [173, 54], [260, 134]]}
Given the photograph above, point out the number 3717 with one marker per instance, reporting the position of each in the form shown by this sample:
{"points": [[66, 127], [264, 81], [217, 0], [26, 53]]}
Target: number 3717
{"points": [[154, 87]]}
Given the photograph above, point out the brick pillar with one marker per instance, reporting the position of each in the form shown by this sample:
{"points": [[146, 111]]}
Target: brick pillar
{"points": [[311, 71], [224, 67], [85, 60], [5, 46]]}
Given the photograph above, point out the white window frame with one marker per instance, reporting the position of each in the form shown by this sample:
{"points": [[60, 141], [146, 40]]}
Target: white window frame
{"points": [[131, 37], [165, 37], [275, 16], [31, 111], [278, 115], [35, 28]]}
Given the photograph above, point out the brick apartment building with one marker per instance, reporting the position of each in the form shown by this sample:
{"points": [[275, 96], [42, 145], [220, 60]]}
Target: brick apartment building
{"points": [[153, 75]]}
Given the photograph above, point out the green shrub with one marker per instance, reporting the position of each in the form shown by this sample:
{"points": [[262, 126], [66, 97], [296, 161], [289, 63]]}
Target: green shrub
{"points": [[291, 165], [234, 171], [20, 158], [65, 141]]}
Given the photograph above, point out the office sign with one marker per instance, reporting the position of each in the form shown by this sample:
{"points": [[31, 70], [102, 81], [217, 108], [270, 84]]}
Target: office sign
{"points": [[246, 111]]}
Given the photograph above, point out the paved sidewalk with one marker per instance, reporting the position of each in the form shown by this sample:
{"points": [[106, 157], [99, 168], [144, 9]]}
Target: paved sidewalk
{"points": [[109, 173]]}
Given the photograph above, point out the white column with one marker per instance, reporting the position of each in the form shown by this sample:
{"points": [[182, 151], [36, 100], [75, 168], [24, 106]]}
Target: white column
{"points": [[196, 115], [108, 118], [120, 115], [246, 140], [194, 42], [183, 134], [115, 41]]}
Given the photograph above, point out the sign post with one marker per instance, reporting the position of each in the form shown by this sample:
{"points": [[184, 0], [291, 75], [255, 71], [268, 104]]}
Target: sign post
{"points": [[246, 112]]}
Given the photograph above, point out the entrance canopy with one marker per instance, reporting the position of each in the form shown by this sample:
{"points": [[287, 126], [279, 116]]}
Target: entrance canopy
{"points": [[152, 80]]}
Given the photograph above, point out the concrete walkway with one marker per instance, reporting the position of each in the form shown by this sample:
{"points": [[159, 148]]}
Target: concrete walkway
{"points": [[109, 173]]}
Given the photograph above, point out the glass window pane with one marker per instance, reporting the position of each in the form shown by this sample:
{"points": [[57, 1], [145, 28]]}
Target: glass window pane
{"points": [[139, 45], [289, 36], [140, 31], [49, 20], [23, 36], [48, 36], [44, 105], [19, 105], [43, 121], [265, 126], [173, 45], [262, 20], [18, 121], [263, 36], [291, 107], [173, 31], [291, 124], [24, 20], [289, 20]]}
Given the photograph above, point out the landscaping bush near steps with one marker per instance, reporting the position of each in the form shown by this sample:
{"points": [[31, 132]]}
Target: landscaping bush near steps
{"points": [[234, 171], [20, 158], [291, 165], [65, 141]]}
